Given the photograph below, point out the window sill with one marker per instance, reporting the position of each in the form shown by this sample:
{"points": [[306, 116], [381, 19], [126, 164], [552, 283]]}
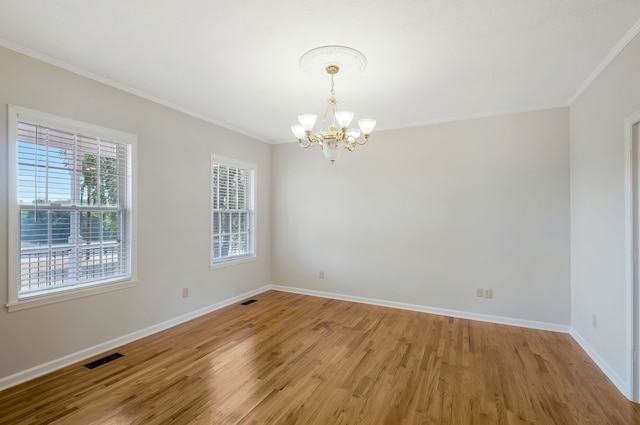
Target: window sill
{"points": [[72, 294], [233, 262]]}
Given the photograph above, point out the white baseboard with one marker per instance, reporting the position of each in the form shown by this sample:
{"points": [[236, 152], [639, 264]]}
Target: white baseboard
{"points": [[433, 310], [61, 362], [604, 367]]}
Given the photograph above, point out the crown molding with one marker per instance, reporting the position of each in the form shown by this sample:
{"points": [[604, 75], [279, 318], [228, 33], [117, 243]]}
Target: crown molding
{"points": [[607, 60], [123, 87]]}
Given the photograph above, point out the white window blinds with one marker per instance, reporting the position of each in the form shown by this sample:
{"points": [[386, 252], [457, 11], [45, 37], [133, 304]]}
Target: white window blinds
{"points": [[73, 196], [232, 213]]}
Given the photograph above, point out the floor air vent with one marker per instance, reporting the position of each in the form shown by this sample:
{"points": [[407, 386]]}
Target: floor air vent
{"points": [[249, 302], [103, 360]]}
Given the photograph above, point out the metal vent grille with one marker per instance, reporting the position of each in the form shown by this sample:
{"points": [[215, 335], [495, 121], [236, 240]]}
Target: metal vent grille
{"points": [[100, 362]]}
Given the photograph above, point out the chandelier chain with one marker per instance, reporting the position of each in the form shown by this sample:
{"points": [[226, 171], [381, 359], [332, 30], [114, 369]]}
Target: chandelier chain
{"points": [[333, 93]]}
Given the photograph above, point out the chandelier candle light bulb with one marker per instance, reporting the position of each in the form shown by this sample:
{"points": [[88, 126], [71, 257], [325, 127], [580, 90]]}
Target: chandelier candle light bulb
{"points": [[338, 136]]}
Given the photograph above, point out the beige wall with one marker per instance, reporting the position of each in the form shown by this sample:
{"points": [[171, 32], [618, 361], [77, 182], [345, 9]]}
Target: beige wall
{"points": [[421, 216], [598, 283], [173, 216], [426, 215]]}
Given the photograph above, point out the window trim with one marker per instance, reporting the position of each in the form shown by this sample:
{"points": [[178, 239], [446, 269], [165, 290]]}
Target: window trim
{"points": [[14, 303], [218, 159]]}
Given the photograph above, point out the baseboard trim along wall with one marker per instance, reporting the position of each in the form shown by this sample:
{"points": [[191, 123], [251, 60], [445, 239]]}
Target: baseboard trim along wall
{"points": [[432, 310], [604, 367], [81, 355], [501, 320]]}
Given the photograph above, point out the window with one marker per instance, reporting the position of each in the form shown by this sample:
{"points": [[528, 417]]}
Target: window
{"points": [[70, 207], [232, 211]]}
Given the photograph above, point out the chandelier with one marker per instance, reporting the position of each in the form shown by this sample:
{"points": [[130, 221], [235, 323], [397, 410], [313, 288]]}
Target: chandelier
{"points": [[338, 136]]}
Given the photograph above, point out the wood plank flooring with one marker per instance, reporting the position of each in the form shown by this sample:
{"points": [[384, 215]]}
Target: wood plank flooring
{"points": [[294, 359]]}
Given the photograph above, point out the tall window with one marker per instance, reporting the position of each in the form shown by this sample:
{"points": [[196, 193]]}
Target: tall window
{"points": [[71, 205], [232, 212]]}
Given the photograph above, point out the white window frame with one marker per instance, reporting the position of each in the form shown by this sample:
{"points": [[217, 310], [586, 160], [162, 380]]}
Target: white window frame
{"points": [[16, 302], [251, 255]]}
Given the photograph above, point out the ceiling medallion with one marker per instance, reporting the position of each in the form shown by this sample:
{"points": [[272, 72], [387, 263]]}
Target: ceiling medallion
{"points": [[323, 61], [350, 61]]}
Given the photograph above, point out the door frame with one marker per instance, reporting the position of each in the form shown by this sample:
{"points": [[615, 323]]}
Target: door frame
{"points": [[632, 242]]}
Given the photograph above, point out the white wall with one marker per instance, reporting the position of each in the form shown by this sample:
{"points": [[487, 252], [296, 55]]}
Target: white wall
{"points": [[173, 216], [426, 215], [598, 210]]}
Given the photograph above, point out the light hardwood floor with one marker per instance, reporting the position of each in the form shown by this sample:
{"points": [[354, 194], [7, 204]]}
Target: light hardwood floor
{"points": [[294, 359]]}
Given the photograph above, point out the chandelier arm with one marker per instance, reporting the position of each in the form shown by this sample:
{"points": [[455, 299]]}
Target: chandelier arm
{"points": [[349, 143], [365, 139], [303, 145]]}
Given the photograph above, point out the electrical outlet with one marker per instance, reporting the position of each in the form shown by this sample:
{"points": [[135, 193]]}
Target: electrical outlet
{"points": [[321, 275], [480, 292], [595, 321], [488, 293], [185, 292]]}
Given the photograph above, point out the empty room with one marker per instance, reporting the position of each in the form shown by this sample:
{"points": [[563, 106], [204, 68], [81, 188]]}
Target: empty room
{"points": [[295, 212]]}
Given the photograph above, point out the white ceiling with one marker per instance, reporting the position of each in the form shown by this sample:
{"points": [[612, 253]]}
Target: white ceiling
{"points": [[235, 63]]}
